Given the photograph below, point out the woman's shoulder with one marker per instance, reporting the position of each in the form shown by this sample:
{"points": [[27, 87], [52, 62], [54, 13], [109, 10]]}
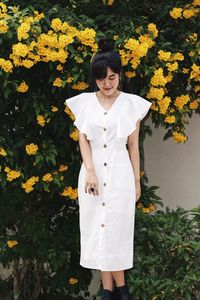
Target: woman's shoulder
{"points": [[135, 99]]}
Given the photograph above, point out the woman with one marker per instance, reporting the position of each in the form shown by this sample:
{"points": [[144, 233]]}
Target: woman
{"points": [[109, 178]]}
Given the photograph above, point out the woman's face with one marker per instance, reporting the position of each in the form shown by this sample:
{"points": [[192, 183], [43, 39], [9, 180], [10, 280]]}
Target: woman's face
{"points": [[109, 84]]}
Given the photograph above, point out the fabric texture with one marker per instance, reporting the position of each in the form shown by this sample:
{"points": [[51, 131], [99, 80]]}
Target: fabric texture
{"points": [[107, 220]]}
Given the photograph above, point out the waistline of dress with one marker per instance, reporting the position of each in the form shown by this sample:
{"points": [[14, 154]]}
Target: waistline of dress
{"points": [[107, 145]]}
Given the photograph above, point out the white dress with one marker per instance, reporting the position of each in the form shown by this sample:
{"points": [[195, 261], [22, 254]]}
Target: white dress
{"points": [[107, 220]]}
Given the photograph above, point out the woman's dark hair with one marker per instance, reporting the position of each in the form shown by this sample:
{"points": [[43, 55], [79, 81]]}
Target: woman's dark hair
{"points": [[104, 58]]}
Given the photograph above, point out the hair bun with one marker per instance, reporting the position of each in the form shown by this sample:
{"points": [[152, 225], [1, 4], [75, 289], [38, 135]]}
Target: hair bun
{"points": [[105, 44]]}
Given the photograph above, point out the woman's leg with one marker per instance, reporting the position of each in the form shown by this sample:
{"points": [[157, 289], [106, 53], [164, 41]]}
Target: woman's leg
{"points": [[107, 280], [118, 277]]}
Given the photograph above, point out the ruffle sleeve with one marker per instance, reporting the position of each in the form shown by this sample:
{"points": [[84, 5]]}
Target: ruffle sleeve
{"points": [[78, 105], [135, 108]]}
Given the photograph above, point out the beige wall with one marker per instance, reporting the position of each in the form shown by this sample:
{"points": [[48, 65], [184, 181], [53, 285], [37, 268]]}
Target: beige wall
{"points": [[175, 168]]}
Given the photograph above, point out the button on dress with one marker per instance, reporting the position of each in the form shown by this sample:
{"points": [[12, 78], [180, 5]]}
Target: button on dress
{"points": [[107, 220]]}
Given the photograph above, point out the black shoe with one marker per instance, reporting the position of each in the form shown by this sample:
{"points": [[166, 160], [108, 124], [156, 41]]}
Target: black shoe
{"points": [[122, 293], [107, 295]]}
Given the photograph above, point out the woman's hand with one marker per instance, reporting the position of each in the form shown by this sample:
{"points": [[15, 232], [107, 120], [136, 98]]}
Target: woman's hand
{"points": [[137, 189], [91, 181]]}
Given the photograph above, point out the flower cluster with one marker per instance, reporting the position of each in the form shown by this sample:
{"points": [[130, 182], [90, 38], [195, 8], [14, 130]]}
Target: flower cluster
{"points": [[63, 168], [12, 174], [23, 87], [80, 86], [47, 177], [28, 185], [135, 49], [74, 134], [12, 243], [73, 280], [6, 65], [3, 152], [187, 12], [180, 101], [179, 137], [149, 209], [69, 112], [31, 149], [41, 120], [70, 192]]}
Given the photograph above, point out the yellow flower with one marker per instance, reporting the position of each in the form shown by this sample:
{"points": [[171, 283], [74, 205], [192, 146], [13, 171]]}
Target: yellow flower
{"points": [[28, 185], [56, 24], [152, 28], [54, 108], [132, 44], [22, 30], [74, 134], [80, 86], [59, 67], [196, 3], [20, 49], [169, 77], [176, 12], [185, 71], [6, 65], [69, 112], [195, 73], [178, 56], [47, 177], [163, 55], [31, 149], [63, 168], [27, 63], [12, 174], [194, 104], [11, 243], [23, 87], [172, 67], [41, 120], [3, 152], [74, 194], [192, 37], [180, 101], [3, 8], [197, 88], [70, 192], [170, 119], [179, 137], [164, 104], [130, 74], [57, 82], [188, 13], [73, 280], [7, 169], [3, 26], [156, 93], [158, 78]]}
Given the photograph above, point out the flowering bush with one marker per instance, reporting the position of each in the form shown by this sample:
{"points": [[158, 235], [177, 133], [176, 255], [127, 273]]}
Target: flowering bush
{"points": [[44, 59], [167, 256]]}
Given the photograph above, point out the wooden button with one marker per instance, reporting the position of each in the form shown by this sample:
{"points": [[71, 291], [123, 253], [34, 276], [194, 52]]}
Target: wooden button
{"points": [[105, 145], [104, 129], [103, 204], [104, 184], [105, 113], [102, 225], [105, 164]]}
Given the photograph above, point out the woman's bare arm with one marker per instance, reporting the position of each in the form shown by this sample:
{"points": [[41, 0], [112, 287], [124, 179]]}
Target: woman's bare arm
{"points": [[86, 153], [133, 149]]}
